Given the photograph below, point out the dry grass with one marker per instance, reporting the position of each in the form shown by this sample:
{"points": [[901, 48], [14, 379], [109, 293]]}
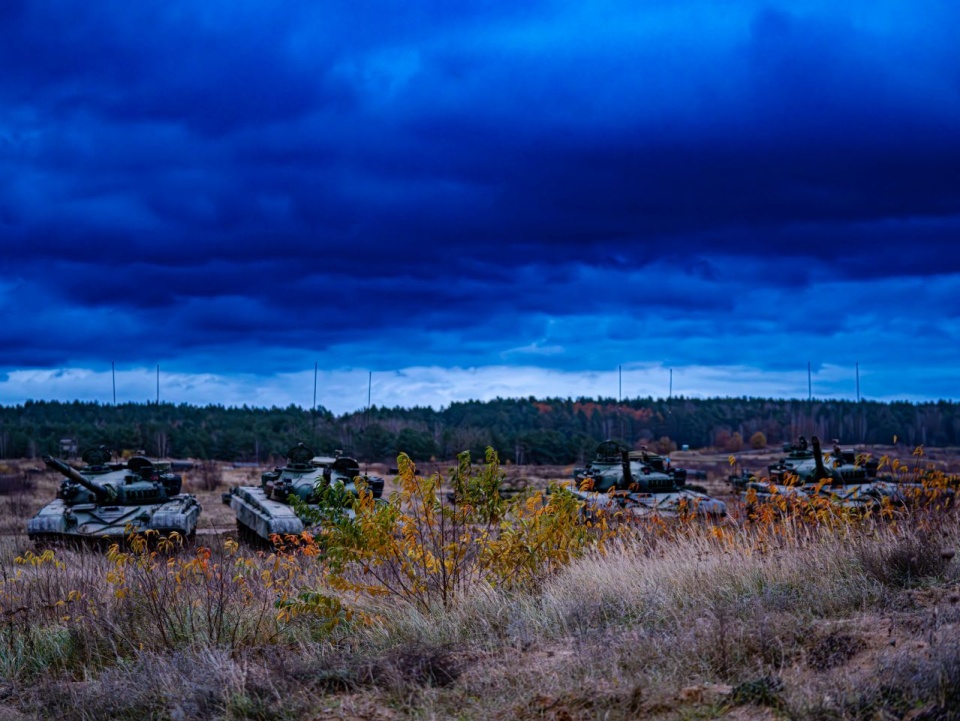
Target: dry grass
{"points": [[788, 620], [695, 624]]}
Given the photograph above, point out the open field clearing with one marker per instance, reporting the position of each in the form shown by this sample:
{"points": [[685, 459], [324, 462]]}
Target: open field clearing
{"points": [[20, 503], [834, 617]]}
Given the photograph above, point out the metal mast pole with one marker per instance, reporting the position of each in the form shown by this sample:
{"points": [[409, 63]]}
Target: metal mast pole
{"points": [[313, 410], [620, 399], [860, 420]]}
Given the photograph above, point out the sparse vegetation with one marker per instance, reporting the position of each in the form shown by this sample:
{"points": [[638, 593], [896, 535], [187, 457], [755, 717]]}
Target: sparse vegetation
{"points": [[808, 616]]}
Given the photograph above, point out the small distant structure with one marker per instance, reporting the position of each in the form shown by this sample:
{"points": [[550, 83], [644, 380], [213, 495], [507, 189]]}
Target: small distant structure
{"points": [[685, 447], [68, 447]]}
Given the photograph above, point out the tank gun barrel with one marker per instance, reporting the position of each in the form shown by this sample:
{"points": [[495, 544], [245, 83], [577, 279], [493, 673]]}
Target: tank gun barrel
{"points": [[101, 492], [822, 471], [625, 462]]}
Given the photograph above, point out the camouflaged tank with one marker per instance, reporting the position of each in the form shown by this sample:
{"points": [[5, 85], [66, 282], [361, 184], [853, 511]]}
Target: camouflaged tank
{"points": [[266, 511], [639, 483], [786, 477], [842, 476], [106, 500]]}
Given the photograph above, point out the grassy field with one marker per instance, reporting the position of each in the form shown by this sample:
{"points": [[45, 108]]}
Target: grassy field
{"points": [[834, 618]]}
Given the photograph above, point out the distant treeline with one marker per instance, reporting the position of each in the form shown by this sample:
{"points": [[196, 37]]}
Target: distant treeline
{"points": [[528, 430]]}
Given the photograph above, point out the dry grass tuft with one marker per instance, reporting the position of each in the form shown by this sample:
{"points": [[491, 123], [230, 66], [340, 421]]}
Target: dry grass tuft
{"points": [[905, 560], [206, 684], [833, 649]]}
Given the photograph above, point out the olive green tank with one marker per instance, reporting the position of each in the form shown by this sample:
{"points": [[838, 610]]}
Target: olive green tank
{"points": [[639, 483], [106, 500], [842, 476], [266, 510]]}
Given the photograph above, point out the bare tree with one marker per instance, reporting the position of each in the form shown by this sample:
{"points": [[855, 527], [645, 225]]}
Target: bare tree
{"points": [[211, 475]]}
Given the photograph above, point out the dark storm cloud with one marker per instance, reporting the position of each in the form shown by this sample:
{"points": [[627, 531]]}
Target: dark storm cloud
{"points": [[473, 183]]}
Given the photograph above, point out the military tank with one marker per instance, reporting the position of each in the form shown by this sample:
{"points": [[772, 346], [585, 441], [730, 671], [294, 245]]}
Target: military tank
{"points": [[846, 479], [107, 500], [639, 483], [323, 483], [785, 480], [753, 490]]}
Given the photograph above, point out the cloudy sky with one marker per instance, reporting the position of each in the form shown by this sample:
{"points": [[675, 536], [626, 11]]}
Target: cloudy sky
{"points": [[472, 199]]}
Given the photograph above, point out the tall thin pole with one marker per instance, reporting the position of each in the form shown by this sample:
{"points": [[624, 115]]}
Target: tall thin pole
{"points": [[672, 425], [113, 374], [860, 423], [313, 411], [366, 414], [620, 399], [158, 384], [809, 383]]}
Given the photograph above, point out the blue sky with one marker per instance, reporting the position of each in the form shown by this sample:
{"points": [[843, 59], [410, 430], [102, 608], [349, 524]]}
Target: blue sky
{"points": [[478, 198]]}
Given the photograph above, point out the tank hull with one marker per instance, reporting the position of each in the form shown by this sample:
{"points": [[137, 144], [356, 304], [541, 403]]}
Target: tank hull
{"points": [[59, 520], [871, 496], [264, 517], [665, 505], [261, 515]]}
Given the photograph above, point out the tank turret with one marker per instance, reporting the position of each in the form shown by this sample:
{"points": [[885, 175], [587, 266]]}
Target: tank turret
{"points": [[111, 500], [323, 484]]}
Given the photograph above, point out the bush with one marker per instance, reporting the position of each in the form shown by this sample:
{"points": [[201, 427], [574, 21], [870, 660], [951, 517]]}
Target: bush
{"points": [[665, 446], [758, 441], [426, 549]]}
